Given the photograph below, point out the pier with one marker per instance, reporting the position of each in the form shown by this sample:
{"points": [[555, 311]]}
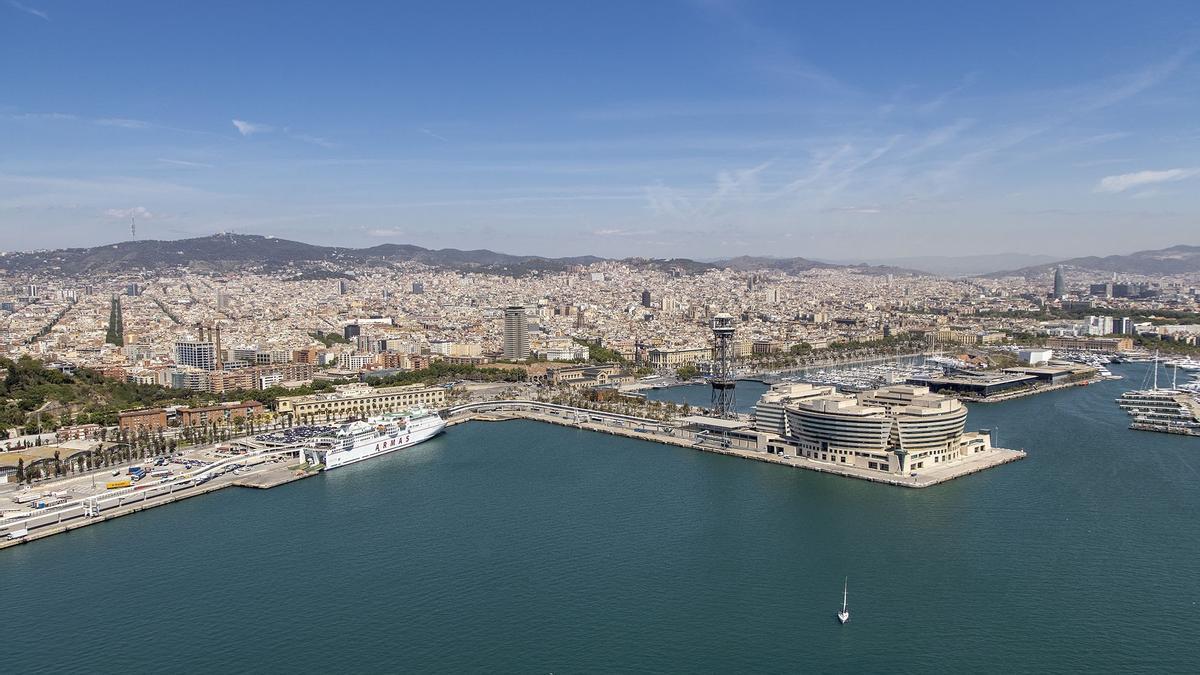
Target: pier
{"points": [[265, 471], [270, 467], [669, 433]]}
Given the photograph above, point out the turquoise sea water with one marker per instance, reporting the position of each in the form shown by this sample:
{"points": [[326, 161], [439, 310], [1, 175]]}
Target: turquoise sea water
{"points": [[521, 547]]}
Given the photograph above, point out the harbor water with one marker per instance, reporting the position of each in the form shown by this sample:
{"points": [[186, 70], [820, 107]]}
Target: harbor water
{"points": [[523, 547]]}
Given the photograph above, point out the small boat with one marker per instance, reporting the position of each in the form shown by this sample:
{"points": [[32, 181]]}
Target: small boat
{"points": [[844, 615]]}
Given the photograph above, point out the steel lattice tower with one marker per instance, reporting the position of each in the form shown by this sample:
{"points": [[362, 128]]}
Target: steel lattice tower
{"points": [[723, 398]]}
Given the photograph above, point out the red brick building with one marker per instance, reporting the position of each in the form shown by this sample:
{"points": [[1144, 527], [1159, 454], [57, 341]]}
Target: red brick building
{"points": [[150, 419], [221, 413]]}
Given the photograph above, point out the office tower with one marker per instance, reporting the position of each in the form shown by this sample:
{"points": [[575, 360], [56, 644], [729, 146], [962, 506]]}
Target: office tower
{"points": [[1060, 283], [418, 288], [646, 299], [200, 354], [516, 334], [351, 330]]}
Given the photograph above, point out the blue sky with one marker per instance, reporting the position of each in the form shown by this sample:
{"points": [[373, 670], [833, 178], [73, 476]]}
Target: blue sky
{"points": [[663, 128]]}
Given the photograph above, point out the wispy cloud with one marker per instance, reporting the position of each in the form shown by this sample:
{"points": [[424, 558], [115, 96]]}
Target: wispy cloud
{"points": [[310, 139], [57, 116], [250, 128], [866, 210], [1126, 181], [434, 136], [123, 123], [134, 212], [184, 162], [30, 10], [386, 232], [936, 103], [619, 232]]}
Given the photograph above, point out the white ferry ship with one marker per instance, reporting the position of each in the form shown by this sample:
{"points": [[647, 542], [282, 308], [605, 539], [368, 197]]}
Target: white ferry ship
{"points": [[364, 439]]}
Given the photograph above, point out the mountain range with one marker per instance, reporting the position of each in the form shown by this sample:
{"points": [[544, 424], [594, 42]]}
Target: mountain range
{"points": [[226, 251], [1180, 259], [961, 265]]}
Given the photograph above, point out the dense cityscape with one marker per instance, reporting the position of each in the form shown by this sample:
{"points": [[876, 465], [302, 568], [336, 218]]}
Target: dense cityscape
{"points": [[696, 336], [251, 330]]}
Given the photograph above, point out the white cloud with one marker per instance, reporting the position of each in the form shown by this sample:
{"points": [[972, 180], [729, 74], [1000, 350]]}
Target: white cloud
{"points": [[386, 232], [1125, 181], [124, 123], [30, 10], [250, 128], [124, 214], [434, 136]]}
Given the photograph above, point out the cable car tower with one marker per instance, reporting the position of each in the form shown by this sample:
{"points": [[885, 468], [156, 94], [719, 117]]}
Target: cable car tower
{"points": [[724, 402]]}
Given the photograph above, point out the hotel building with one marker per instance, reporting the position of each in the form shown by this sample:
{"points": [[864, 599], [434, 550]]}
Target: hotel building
{"points": [[896, 429]]}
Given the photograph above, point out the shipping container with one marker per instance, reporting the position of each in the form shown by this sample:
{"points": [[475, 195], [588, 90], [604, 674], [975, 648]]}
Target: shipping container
{"points": [[114, 484]]}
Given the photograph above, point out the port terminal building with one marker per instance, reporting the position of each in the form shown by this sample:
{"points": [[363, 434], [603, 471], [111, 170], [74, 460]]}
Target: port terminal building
{"points": [[983, 385], [361, 399], [896, 429]]}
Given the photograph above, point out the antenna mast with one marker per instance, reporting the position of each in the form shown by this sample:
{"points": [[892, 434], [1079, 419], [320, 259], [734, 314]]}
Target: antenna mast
{"points": [[132, 227]]}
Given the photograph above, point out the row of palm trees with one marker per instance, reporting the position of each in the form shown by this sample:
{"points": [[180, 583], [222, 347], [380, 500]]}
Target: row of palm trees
{"points": [[125, 448]]}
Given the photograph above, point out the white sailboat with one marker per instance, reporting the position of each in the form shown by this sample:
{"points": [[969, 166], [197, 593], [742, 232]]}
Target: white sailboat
{"points": [[844, 615]]}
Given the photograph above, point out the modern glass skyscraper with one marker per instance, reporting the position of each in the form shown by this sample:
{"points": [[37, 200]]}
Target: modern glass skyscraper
{"points": [[1060, 283]]}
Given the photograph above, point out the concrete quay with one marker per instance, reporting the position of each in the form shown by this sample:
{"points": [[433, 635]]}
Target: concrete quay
{"points": [[924, 478], [57, 521], [272, 477], [77, 521]]}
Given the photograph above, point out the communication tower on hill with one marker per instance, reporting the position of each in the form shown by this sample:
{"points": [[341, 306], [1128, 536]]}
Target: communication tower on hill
{"points": [[724, 402]]}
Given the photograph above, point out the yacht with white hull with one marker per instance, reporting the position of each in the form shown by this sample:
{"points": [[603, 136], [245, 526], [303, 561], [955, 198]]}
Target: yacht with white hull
{"points": [[364, 439]]}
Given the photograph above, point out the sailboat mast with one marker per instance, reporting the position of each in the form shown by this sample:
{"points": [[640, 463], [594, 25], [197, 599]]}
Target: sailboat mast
{"points": [[1156, 370]]}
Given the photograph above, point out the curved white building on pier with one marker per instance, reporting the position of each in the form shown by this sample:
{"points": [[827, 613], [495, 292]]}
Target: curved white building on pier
{"points": [[897, 429]]}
